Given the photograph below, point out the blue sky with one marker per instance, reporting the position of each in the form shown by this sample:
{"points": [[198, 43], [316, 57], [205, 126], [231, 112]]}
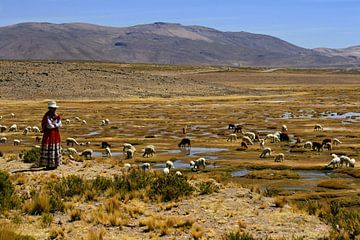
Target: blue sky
{"points": [[307, 23]]}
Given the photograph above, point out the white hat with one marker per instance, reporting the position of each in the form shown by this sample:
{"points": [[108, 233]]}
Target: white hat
{"points": [[52, 104]]}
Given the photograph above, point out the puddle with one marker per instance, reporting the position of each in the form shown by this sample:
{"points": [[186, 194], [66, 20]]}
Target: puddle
{"points": [[178, 164], [93, 133], [313, 174], [101, 154], [287, 115], [345, 115], [195, 151], [240, 173]]}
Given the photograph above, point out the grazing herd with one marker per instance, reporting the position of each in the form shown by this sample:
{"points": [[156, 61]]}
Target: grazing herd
{"points": [[280, 136], [248, 138]]}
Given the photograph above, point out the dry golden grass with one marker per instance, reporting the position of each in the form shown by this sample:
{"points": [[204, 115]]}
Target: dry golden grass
{"points": [[37, 205], [260, 107], [196, 231]]}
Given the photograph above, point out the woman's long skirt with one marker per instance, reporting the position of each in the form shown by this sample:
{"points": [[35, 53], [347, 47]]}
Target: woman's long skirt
{"points": [[50, 149]]}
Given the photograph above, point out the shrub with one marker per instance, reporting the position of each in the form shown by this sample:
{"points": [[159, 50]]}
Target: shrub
{"points": [[6, 191], [238, 236], [68, 187], [170, 187], [32, 155], [102, 183], [208, 187]]}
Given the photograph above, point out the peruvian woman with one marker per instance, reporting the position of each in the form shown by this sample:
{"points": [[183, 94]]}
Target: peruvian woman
{"points": [[50, 146]]}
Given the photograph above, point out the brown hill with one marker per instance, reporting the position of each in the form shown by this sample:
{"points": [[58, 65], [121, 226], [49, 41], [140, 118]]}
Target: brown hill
{"points": [[159, 42]]}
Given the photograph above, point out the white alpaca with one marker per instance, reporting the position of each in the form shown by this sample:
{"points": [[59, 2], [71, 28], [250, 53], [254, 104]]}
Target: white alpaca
{"points": [[166, 171], [84, 122], [13, 128], [3, 140], [127, 166], [262, 143], [127, 146], [284, 128], [251, 135], [17, 141], [247, 140], [178, 173], [308, 145], [279, 158], [71, 141], [266, 151], [169, 164], [336, 141], [72, 151], [87, 153], [335, 162], [35, 129], [232, 137], [352, 162]]}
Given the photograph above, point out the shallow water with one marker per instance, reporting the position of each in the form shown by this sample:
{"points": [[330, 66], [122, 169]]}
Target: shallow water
{"points": [[101, 154], [345, 115], [195, 151], [178, 164], [240, 173], [93, 133], [313, 174]]}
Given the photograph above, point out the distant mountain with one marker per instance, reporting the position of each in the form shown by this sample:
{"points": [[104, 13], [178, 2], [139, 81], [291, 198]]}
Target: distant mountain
{"points": [[350, 52], [164, 43]]}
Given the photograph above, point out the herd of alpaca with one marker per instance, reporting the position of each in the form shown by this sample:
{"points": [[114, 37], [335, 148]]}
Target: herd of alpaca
{"points": [[248, 138]]}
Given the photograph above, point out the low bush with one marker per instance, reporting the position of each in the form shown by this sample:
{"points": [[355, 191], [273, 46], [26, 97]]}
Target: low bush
{"points": [[170, 187], [208, 187], [6, 191], [32, 155]]}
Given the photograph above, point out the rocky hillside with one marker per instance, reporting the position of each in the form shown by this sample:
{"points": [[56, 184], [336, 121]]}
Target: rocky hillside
{"points": [[164, 43]]}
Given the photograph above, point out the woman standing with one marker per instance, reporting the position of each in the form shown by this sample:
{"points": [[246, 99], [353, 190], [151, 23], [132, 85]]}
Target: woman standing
{"points": [[50, 146]]}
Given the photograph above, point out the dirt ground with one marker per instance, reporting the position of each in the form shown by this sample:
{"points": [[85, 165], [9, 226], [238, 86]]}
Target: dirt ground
{"points": [[152, 104]]}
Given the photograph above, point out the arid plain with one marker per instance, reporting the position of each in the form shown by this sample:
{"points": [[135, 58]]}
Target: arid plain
{"points": [[238, 192]]}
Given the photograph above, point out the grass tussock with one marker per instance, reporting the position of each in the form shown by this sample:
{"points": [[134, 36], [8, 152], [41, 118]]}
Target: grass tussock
{"points": [[165, 225], [334, 184], [280, 202], [37, 205], [96, 234], [56, 233], [344, 221], [197, 231], [6, 191], [208, 187], [273, 174], [7, 234]]}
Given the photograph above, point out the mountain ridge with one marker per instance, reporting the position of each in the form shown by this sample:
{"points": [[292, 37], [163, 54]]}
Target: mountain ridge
{"points": [[159, 42]]}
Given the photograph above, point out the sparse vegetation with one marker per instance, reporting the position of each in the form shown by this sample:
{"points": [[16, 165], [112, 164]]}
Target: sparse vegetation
{"points": [[6, 191], [7, 234], [101, 193], [31, 155]]}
